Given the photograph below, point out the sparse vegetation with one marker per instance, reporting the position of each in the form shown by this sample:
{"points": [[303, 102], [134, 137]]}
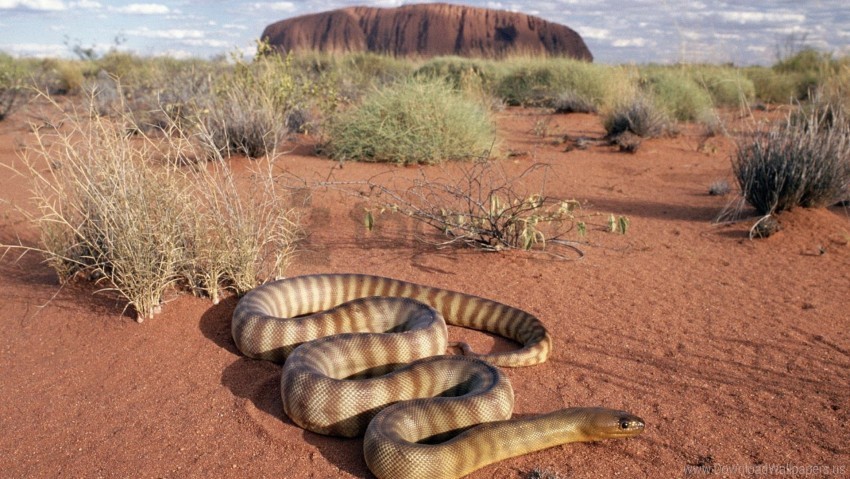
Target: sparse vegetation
{"points": [[799, 163], [639, 116], [371, 108], [484, 208], [107, 211], [246, 113]]}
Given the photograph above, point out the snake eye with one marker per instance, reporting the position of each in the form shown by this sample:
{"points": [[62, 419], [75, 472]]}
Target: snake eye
{"points": [[624, 424]]}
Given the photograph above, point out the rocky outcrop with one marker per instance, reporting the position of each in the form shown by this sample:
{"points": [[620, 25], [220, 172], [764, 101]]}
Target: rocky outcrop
{"points": [[426, 30]]}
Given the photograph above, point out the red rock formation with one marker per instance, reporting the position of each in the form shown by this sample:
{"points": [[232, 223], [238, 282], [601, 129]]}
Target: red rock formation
{"points": [[426, 30]]}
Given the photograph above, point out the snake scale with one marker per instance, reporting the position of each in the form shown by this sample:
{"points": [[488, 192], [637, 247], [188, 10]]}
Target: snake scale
{"points": [[366, 355]]}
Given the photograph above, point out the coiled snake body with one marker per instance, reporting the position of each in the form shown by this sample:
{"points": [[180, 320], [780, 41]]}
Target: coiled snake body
{"points": [[345, 375]]}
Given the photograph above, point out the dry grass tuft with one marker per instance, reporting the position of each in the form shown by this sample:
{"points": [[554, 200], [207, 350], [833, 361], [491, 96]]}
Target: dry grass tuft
{"points": [[108, 212], [803, 162]]}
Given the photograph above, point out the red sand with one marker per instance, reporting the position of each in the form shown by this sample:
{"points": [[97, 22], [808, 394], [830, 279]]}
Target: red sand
{"points": [[735, 352]]}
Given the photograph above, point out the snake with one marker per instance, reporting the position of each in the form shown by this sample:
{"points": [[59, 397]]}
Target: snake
{"points": [[366, 356]]}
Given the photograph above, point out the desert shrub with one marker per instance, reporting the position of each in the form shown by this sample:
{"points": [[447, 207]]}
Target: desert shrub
{"points": [[806, 60], [800, 163], [374, 68], [246, 112], [180, 94], [639, 115], [810, 68], [795, 77], [457, 70], [14, 85], [62, 77], [127, 67], [106, 211], [600, 85], [539, 81], [835, 90], [345, 78], [526, 86], [242, 124], [235, 235], [727, 86], [771, 86], [153, 90], [177, 97], [483, 207], [676, 93], [571, 102], [415, 121], [474, 77]]}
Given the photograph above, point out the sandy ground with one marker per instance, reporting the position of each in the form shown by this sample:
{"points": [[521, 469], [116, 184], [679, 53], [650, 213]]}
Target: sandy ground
{"points": [[735, 352]]}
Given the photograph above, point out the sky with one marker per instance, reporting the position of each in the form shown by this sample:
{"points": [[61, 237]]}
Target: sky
{"points": [[616, 31]]}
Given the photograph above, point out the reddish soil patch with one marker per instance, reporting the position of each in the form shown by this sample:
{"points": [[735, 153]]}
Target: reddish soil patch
{"points": [[735, 352]]}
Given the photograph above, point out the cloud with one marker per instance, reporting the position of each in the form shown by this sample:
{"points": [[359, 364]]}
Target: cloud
{"points": [[594, 33], [34, 5], [629, 42], [206, 42], [178, 54], [39, 50], [170, 34], [513, 7], [87, 5], [274, 6], [761, 17], [143, 9]]}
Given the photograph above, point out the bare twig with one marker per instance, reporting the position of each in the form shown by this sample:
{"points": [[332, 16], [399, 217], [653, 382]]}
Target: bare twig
{"points": [[482, 207]]}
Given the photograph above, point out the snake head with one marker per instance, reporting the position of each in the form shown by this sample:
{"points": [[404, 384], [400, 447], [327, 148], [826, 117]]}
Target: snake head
{"points": [[601, 423]]}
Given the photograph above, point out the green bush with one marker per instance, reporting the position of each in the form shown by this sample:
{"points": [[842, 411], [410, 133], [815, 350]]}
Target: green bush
{"points": [[458, 70], [807, 60], [540, 81], [727, 86], [128, 68], [772, 86], [13, 85], [794, 78], [374, 68], [346, 77], [528, 86], [677, 93], [805, 162], [62, 77], [415, 121]]}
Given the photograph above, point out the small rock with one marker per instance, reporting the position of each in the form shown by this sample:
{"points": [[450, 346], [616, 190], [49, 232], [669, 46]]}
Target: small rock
{"points": [[765, 227]]}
